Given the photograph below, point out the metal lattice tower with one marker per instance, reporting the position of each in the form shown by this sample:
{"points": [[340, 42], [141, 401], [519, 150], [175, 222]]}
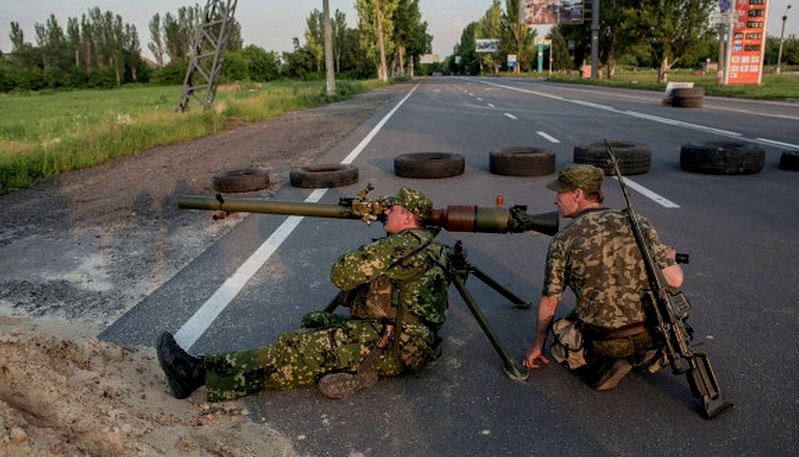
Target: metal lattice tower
{"points": [[207, 55]]}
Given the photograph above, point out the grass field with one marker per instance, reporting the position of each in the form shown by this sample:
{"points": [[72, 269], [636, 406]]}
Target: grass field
{"points": [[48, 133]]}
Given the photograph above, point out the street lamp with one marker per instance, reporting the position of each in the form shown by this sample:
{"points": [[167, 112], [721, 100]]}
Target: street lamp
{"points": [[782, 35]]}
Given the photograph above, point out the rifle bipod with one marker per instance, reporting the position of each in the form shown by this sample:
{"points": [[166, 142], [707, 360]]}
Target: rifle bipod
{"points": [[459, 273]]}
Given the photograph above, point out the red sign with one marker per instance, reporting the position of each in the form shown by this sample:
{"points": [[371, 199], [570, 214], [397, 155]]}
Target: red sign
{"points": [[748, 42]]}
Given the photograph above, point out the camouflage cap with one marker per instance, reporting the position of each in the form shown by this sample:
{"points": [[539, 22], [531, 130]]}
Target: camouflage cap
{"points": [[412, 200], [578, 176]]}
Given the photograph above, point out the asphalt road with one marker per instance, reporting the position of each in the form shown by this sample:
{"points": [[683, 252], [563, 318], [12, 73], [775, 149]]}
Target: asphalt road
{"points": [[740, 232]]}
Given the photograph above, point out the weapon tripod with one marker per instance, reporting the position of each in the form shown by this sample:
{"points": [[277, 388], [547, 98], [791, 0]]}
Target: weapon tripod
{"points": [[460, 268]]}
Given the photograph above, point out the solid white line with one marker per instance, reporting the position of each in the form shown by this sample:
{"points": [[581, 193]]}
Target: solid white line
{"points": [[778, 143], [193, 329], [551, 139], [662, 201], [358, 149]]}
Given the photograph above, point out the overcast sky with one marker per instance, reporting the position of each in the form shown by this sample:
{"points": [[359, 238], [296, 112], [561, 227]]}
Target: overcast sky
{"points": [[271, 24]]}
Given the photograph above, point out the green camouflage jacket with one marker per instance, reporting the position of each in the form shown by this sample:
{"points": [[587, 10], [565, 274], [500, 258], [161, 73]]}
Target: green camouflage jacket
{"points": [[419, 280]]}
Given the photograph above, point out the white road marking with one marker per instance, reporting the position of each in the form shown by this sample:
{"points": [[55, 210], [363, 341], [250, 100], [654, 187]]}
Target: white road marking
{"points": [[662, 201], [510, 116], [194, 328], [549, 138]]}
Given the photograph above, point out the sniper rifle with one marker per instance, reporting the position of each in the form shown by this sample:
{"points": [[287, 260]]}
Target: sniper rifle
{"points": [[670, 309]]}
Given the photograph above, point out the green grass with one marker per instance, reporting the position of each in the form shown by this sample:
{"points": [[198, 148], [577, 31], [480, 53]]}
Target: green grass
{"points": [[44, 134], [774, 87]]}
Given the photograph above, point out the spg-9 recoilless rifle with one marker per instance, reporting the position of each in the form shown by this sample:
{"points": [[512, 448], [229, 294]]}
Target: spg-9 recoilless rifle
{"points": [[453, 218], [670, 310]]}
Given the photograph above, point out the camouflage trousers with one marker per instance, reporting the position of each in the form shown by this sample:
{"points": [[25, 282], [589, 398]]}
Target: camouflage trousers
{"points": [[297, 359]]}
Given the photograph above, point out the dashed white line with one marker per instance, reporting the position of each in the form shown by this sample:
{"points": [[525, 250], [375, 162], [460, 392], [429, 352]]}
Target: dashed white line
{"points": [[511, 116], [548, 137]]}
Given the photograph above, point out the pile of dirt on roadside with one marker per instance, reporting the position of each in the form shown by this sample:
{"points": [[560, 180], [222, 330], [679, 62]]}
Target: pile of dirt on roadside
{"points": [[64, 398]]}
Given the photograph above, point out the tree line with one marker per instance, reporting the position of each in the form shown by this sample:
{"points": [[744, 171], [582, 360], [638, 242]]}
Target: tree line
{"points": [[101, 50], [661, 34]]}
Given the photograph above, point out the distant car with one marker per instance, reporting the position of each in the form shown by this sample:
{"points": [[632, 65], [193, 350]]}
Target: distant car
{"points": [[436, 73]]}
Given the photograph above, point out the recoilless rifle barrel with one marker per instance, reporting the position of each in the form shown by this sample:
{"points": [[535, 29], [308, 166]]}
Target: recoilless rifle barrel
{"points": [[453, 218]]}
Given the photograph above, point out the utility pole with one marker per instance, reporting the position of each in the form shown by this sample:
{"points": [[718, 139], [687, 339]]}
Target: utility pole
{"points": [[595, 39], [330, 71], [782, 40]]}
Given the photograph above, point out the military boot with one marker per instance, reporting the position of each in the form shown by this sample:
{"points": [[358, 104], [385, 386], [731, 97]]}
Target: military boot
{"points": [[184, 373], [341, 385], [610, 373]]}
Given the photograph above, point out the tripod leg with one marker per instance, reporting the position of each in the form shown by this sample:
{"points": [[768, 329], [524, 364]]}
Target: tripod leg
{"points": [[500, 288], [511, 368]]}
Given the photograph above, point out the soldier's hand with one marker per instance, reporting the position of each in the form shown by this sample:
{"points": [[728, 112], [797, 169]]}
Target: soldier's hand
{"points": [[532, 357]]}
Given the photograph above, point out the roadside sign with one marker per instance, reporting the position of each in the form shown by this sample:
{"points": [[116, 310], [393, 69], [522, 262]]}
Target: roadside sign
{"points": [[748, 42]]}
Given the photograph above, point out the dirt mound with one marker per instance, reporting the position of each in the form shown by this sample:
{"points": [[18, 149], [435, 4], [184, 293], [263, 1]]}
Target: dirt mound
{"points": [[60, 397]]}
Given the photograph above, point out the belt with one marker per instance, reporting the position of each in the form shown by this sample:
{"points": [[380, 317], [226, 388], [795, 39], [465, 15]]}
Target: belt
{"points": [[598, 333]]}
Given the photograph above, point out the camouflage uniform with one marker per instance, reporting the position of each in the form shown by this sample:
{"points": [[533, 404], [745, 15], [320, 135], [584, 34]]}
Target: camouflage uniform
{"points": [[596, 256], [416, 269]]}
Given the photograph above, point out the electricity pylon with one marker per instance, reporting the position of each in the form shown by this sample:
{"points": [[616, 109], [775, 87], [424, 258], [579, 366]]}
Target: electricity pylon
{"points": [[207, 54]]}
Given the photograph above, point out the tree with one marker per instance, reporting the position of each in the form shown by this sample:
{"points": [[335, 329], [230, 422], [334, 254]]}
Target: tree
{"points": [[315, 37], [673, 28], [377, 31], [262, 66], [339, 24], [517, 38], [490, 27], [156, 45], [410, 34], [465, 50]]}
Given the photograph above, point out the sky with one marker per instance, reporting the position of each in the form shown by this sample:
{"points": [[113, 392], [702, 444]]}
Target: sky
{"points": [[271, 24]]}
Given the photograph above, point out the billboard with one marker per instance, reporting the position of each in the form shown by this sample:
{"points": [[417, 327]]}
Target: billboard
{"points": [[486, 45], [551, 12], [748, 42]]}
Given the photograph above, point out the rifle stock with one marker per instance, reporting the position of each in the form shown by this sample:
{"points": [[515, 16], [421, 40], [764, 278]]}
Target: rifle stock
{"points": [[671, 311]]}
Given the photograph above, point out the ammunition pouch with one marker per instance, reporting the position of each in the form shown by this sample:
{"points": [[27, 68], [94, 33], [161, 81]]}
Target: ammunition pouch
{"points": [[414, 352], [376, 302], [567, 346]]}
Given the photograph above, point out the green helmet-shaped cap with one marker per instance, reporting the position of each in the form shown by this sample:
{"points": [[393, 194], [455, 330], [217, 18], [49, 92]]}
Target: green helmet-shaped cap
{"points": [[579, 176], [412, 200]]}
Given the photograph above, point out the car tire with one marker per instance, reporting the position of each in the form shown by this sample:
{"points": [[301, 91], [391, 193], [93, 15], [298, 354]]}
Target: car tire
{"points": [[722, 158], [429, 165], [323, 176], [688, 97], [789, 160], [241, 180], [522, 161], [634, 159]]}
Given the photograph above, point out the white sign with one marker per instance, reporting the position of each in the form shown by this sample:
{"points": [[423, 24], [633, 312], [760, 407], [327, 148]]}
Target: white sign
{"points": [[716, 17], [679, 85]]}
